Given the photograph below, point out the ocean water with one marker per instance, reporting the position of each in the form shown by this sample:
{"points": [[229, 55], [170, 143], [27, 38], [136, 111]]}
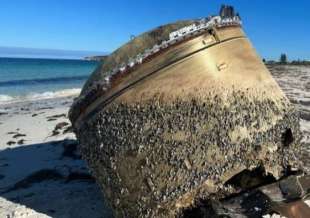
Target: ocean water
{"points": [[28, 79]]}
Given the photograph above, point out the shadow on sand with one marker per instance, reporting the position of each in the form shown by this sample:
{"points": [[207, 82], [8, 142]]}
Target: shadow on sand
{"points": [[50, 178]]}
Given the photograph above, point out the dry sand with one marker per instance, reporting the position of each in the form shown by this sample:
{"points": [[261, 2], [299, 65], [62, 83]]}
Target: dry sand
{"points": [[42, 175], [295, 82]]}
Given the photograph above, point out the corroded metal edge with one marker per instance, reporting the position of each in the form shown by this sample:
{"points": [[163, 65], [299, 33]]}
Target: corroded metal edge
{"points": [[99, 88], [155, 64]]}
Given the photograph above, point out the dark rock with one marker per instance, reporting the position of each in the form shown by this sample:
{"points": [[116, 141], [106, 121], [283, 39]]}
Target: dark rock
{"points": [[11, 143], [45, 108], [11, 133], [51, 119], [56, 116], [55, 132], [61, 125], [18, 135], [69, 129], [21, 141]]}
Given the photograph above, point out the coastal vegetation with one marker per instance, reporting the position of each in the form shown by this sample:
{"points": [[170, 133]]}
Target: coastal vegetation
{"points": [[284, 60]]}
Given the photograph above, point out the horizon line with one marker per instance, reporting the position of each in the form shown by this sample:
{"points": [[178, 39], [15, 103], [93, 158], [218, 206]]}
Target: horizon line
{"points": [[50, 49], [23, 52]]}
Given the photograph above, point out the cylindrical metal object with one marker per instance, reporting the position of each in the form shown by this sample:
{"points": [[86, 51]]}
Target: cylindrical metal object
{"points": [[179, 125]]}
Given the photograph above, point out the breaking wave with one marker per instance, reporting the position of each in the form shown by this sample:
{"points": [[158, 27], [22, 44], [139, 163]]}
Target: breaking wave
{"points": [[5, 99], [31, 82]]}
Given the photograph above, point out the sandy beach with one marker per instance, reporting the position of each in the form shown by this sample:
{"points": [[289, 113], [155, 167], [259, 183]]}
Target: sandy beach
{"points": [[295, 82], [41, 173]]}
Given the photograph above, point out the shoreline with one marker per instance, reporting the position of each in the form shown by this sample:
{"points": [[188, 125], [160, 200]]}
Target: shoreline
{"points": [[39, 97]]}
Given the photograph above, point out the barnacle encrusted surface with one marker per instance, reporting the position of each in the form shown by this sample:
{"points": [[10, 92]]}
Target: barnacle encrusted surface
{"points": [[166, 131], [155, 158]]}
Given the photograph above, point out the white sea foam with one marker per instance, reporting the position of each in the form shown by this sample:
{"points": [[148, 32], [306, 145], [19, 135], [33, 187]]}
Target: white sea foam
{"points": [[5, 99]]}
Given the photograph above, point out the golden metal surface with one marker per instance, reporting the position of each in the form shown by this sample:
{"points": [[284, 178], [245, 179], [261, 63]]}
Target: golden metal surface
{"points": [[219, 62]]}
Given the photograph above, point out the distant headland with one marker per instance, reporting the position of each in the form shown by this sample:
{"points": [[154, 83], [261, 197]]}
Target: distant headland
{"points": [[20, 52], [96, 58]]}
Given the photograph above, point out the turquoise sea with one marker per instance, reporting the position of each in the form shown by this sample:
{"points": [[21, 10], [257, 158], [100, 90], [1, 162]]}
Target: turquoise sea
{"points": [[27, 79]]}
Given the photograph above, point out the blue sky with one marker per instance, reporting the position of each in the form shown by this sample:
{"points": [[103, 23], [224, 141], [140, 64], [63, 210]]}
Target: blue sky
{"points": [[97, 25]]}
